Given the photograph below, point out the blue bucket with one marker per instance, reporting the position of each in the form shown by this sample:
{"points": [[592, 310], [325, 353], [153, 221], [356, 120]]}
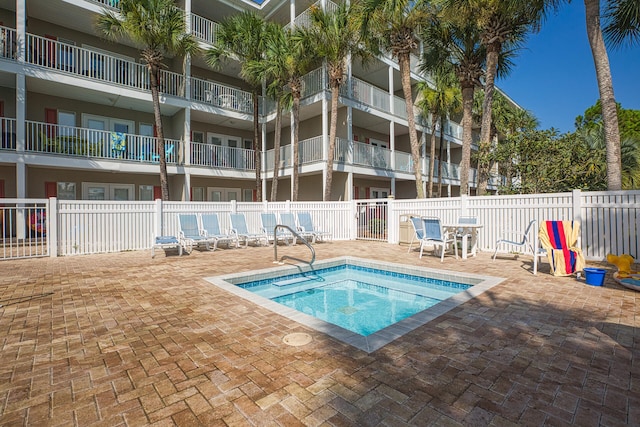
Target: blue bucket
{"points": [[594, 276]]}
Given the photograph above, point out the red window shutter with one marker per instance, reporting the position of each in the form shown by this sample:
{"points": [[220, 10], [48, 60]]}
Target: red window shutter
{"points": [[50, 189], [355, 192], [355, 137], [367, 193], [1, 188], [157, 192], [51, 117], [366, 141], [255, 195]]}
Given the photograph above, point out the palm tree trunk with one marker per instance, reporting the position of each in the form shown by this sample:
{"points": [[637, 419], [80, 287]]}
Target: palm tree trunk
{"points": [[485, 130], [257, 146], [467, 125], [333, 129], [276, 151], [432, 156], [296, 148], [404, 62], [160, 146], [440, 164], [607, 99]]}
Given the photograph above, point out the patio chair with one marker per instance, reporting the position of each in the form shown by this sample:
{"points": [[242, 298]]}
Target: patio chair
{"points": [[305, 222], [211, 230], [523, 240], [240, 230], [269, 223], [289, 220], [434, 235], [166, 242], [189, 232], [560, 241]]}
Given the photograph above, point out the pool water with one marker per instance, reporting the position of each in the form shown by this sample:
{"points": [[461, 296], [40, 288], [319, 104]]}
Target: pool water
{"points": [[360, 299], [364, 303]]}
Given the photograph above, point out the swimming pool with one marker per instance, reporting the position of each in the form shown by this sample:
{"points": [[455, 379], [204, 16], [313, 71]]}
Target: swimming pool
{"points": [[364, 303]]}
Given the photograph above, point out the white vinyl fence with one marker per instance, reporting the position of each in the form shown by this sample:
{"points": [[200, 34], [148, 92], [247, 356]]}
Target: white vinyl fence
{"points": [[610, 221]]}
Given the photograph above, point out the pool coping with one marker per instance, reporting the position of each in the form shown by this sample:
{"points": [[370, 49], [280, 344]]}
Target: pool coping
{"points": [[377, 340]]}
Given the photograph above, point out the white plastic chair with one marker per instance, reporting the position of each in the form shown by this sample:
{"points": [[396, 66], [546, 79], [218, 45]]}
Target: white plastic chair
{"points": [[434, 235], [519, 239]]}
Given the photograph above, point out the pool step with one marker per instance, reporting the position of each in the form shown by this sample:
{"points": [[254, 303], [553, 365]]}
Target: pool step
{"points": [[295, 280]]}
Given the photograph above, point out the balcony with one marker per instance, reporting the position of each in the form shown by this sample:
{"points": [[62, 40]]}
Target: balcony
{"points": [[96, 144], [217, 156], [218, 95], [204, 29], [97, 65]]}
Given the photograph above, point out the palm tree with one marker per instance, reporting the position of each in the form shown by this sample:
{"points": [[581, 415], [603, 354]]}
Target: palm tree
{"points": [[607, 98], [273, 70], [457, 45], [623, 22], [440, 101], [241, 37], [501, 23], [158, 26], [394, 25], [335, 36]]}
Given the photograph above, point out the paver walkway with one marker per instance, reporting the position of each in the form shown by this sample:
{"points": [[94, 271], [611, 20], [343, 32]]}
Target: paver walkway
{"points": [[123, 339]]}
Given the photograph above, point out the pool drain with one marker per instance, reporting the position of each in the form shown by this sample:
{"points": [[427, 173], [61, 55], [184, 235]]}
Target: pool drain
{"points": [[297, 339]]}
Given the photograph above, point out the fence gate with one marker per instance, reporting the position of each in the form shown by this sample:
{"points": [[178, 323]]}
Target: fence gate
{"points": [[372, 219], [23, 228]]}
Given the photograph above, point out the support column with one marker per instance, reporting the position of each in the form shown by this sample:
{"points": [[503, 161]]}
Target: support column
{"points": [[263, 161], [325, 131], [448, 166]]}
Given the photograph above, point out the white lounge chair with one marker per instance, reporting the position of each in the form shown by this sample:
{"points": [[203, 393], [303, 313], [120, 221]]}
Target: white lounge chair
{"points": [[189, 233], [289, 220], [269, 223], [166, 242], [240, 230], [305, 222], [210, 228]]}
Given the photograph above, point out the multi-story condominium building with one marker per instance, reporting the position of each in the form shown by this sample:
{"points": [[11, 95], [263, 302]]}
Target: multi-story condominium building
{"points": [[77, 116]]}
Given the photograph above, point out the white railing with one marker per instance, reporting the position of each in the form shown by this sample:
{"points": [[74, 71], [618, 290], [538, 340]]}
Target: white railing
{"points": [[204, 29], [218, 156], [368, 94], [404, 162], [453, 129], [8, 136], [313, 82], [222, 96], [83, 142], [370, 155], [310, 150], [341, 153], [111, 4], [8, 42], [304, 19], [285, 158], [608, 220], [399, 107], [84, 62]]}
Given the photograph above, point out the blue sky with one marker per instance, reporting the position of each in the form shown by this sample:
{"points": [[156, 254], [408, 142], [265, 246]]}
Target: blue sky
{"points": [[554, 76]]}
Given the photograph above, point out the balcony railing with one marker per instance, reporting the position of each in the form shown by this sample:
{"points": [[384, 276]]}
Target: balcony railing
{"points": [[304, 19], [370, 155], [8, 137], [218, 156], [111, 4], [204, 29], [84, 62], [222, 96], [8, 42], [92, 143]]}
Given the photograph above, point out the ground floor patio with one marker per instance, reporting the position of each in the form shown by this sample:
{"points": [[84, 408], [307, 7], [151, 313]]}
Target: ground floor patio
{"points": [[124, 339]]}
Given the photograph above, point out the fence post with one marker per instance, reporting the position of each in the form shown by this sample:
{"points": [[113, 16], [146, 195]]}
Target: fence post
{"points": [[576, 204], [234, 207], [158, 218], [287, 205], [52, 227], [464, 202], [392, 222], [353, 230], [265, 205]]}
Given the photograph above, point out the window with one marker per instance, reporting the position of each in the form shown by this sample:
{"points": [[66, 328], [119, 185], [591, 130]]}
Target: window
{"points": [[100, 191], [145, 192], [197, 137], [146, 129], [197, 194], [223, 194], [247, 195], [66, 190]]}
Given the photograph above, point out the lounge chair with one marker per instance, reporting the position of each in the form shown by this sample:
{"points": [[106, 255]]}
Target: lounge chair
{"points": [[189, 233], [211, 230], [241, 232], [166, 242], [560, 240], [306, 224], [524, 240], [433, 235], [269, 223], [289, 220]]}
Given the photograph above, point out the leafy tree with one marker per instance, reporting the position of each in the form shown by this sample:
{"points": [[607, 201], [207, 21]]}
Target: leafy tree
{"points": [[394, 25], [159, 27], [334, 36], [456, 44], [241, 37], [628, 120]]}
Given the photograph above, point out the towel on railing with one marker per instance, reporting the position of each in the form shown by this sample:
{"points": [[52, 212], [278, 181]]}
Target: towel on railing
{"points": [[118, 141], [560, 239]]}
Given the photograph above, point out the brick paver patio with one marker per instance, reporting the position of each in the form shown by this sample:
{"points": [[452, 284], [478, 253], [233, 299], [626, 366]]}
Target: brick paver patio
{"points": [[124, 339]]}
